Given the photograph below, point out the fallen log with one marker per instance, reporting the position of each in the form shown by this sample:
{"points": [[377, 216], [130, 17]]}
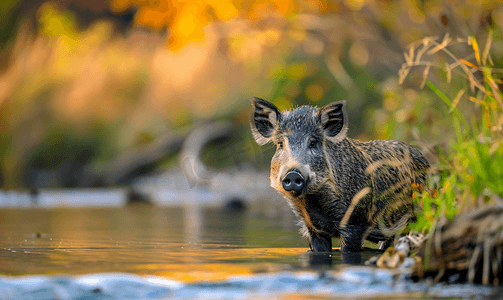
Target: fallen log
{"points": [[138, 161]]}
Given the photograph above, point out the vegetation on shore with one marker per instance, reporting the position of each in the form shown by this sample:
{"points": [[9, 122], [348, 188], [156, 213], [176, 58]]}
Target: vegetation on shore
{"points": [[469, 172]]}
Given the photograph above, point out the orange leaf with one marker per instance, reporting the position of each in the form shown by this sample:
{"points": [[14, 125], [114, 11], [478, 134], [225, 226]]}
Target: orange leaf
{"points": [[417, 186], [467, 62], [286, 7], [152, 18], [476, 49]]}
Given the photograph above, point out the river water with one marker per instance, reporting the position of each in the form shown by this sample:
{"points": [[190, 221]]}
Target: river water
{"points": [[151, 252]]}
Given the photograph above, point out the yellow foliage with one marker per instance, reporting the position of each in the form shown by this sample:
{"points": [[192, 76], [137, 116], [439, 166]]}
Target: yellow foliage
{"points": [[187, 26], [187, 19], [354, 4], [314, 92], [320, 6], [286, 7], [283, 103], [223, 9], [298, 71], [152, 18], [55, 23]]}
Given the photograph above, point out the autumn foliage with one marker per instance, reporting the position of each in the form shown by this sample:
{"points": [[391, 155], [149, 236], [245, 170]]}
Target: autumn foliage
{"points": [[186, 19], [77, 89]]}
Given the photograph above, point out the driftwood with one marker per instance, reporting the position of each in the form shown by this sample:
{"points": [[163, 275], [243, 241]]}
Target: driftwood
{"points": [[469, 247], [196, 172], [126, 167], [471, 242], [139, 161]]}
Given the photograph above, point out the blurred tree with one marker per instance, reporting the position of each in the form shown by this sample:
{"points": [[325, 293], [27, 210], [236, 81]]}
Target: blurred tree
{"points": [[74, 71], [9, 12]]}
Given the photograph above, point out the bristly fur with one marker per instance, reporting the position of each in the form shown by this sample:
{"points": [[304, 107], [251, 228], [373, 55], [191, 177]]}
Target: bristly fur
{"points": [[354, 190]]}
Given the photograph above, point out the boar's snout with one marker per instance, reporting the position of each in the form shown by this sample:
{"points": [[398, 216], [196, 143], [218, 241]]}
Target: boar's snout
{"points": [[294, 181]]}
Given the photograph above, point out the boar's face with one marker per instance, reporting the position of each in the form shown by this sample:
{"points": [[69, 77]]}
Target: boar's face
{"points": [[300, 164]]}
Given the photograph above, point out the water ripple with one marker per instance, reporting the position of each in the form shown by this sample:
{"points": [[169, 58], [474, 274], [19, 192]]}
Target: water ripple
{"points": [[359, 282]]}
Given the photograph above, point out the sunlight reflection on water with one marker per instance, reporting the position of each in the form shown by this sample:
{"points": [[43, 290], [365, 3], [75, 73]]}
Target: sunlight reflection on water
{"points": [[112, 253], [144, 239]]}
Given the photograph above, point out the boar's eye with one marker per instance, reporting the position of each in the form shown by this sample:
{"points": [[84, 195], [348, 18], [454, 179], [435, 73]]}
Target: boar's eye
{"points": [[313, 144], [280, 144]]}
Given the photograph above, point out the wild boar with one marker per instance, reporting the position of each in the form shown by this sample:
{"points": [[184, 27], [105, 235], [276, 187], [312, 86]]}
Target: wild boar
{"points": [[338, 186]]}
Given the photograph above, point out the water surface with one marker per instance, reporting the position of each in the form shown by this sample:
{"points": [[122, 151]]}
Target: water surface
{"points": [[151, 252], [187, 243]]}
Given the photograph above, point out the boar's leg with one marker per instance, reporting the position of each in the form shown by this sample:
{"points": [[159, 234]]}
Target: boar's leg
{"points": [[320, 242], [352, 238]]}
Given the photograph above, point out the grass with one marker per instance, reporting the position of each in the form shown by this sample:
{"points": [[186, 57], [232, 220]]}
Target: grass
{"points": [[471, 166]]}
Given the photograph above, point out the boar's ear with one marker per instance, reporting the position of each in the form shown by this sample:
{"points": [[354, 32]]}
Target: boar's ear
{"points": [[334, 119], [265, 119]]}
